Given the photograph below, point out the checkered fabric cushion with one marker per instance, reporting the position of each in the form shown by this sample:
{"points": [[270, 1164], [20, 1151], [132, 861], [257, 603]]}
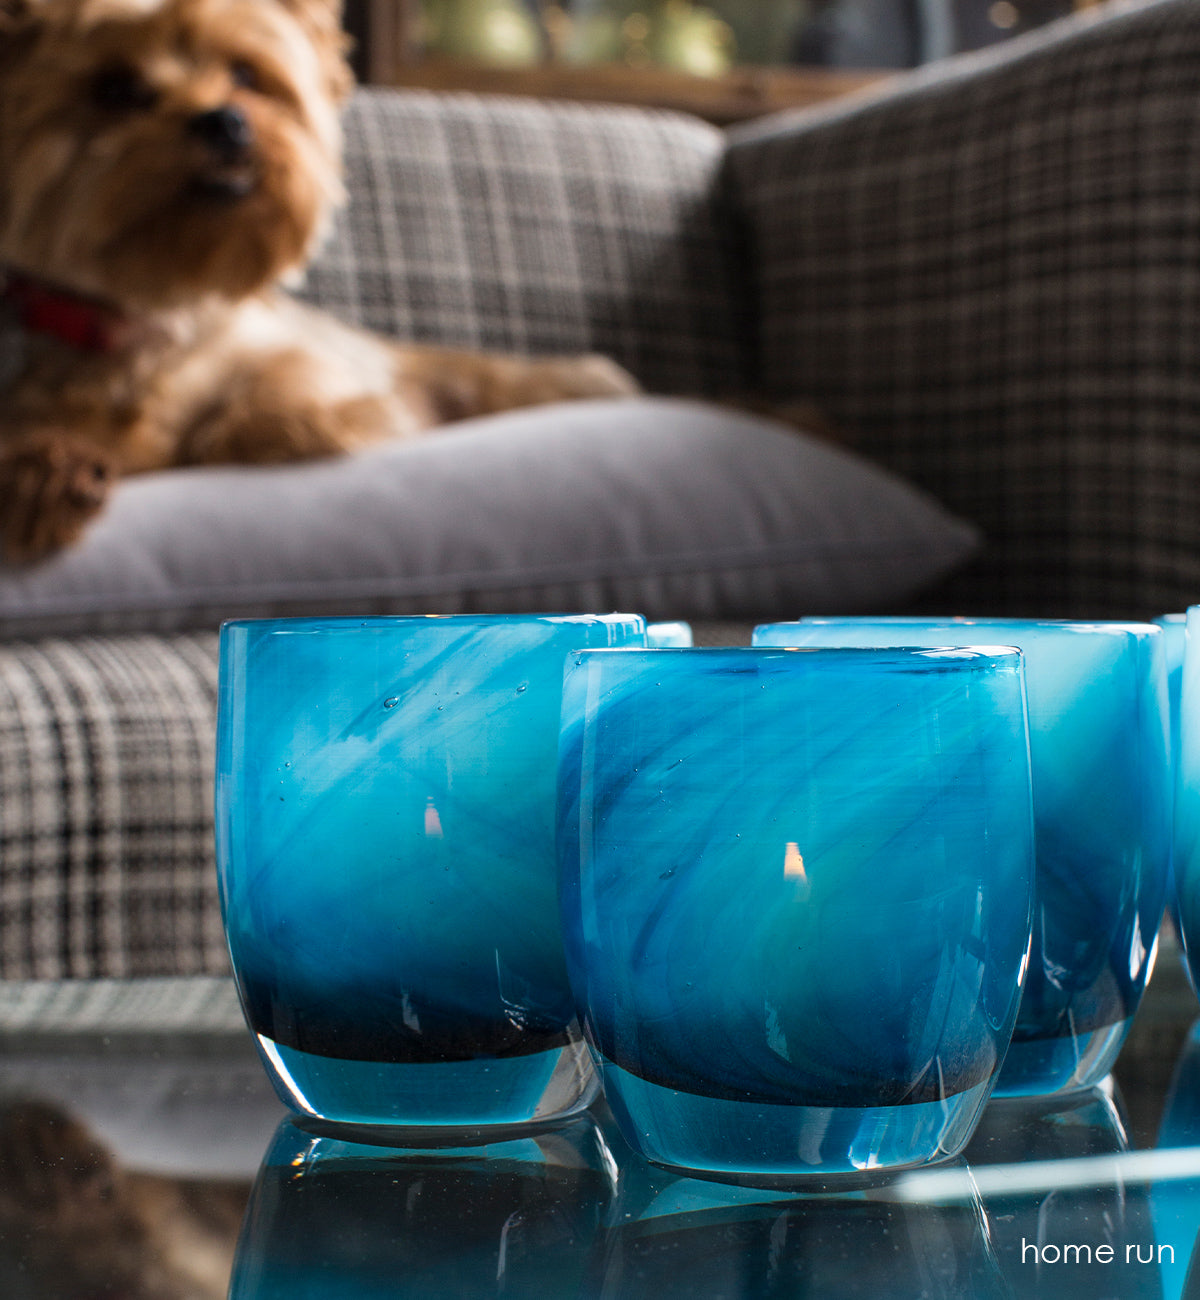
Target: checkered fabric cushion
{"points": [[534, 228], [106, 763], [107, 862], [991, 278]]}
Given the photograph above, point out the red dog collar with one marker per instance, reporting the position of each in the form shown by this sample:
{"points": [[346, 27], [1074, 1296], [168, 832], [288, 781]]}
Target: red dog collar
{"points": [[75, 319]]}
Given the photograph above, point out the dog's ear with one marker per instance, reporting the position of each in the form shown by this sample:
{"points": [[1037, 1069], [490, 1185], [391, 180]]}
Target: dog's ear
{"points": [[326, 10], [323, 20], [319, 16]]}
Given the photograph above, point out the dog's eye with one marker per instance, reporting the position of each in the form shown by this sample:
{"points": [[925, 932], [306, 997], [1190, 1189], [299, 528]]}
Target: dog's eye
{"points": [[122, 90], [244, 74]]}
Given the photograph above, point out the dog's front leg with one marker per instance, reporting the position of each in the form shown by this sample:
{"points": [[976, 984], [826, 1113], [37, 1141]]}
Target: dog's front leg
{"points": [[52, 484], [274, 409], [454, 385]]}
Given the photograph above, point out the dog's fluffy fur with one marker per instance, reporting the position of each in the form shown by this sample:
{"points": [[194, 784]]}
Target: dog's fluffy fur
{"points": [[165, 166]]}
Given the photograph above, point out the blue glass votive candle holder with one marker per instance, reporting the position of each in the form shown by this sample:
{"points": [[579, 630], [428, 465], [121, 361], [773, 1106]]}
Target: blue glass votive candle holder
{"points": [[1174, 627], [1101, 798], [669, 635], [1187, 799], [385, 841], [796, 898]]}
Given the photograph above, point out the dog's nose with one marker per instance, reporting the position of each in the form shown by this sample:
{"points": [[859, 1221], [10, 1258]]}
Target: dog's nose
{"points": [[225, 130]]}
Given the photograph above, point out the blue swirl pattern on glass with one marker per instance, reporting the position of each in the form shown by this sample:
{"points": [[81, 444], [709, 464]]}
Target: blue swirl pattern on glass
{"points": [[1187, 799], [385, 833], [795, 892], [1174, 628], [1098, 723]]}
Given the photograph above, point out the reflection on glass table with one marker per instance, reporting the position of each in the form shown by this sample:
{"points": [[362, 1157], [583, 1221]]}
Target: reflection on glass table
{"points": [[132, 1118], [1177, 1201], [517, 1218], [1066, 1241], [574, 1212], [143, 1155]]}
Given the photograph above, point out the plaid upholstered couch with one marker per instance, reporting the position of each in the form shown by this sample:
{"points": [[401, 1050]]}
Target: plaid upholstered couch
{"points": [[987, 277]]}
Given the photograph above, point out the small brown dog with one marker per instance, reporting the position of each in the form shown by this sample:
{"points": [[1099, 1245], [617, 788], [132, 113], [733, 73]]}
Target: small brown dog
{"points": [[165, 165]]}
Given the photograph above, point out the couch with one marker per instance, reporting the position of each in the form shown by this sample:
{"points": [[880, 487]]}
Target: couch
{"points": [[985, 276]]}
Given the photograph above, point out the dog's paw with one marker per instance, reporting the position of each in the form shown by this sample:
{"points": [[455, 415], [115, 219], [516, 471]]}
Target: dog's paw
{"points": [[569, 378], [51, 487]]}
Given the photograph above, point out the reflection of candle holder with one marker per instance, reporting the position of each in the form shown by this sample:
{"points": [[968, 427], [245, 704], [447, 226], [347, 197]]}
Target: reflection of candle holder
{"points": [[1177, 1200], [678, 1238], [329, 1218], [1181, 1114], [1072, 1125], [1074, 1241]]}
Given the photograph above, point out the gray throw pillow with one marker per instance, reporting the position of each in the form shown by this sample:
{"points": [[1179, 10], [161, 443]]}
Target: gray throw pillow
{"points": [[674, 509]]}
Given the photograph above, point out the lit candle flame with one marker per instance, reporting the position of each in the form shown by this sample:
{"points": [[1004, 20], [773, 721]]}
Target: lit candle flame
{"points": [[433, 823], [793, 869]]}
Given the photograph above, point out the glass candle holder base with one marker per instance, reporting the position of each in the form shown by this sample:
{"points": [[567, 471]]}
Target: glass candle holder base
{"points": [[1040, 1066], [747, 1140], [452, 1094]]}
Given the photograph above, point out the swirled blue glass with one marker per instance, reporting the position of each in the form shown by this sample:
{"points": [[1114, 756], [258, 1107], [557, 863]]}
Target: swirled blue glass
{"points": [[1187, 799], [795, 891], [1174, 627], [1098, 723], [385, 834]]}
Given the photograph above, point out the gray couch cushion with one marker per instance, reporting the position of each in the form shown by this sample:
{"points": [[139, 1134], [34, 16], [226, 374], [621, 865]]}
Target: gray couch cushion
{"points": [[670, 508], [534, 227]]}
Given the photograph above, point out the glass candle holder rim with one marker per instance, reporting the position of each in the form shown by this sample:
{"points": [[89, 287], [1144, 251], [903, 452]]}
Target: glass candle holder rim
{"points": [[346, 622], [978, 657], [1135, 627]]}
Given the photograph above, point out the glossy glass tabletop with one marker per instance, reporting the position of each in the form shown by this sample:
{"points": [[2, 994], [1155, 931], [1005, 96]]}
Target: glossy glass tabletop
{"points": [[143, 1156]]}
